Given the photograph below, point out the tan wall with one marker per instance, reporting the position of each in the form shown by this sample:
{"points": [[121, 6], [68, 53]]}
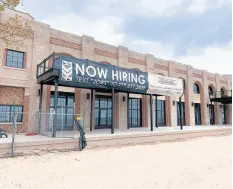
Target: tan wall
{"points": [[47, 40]]}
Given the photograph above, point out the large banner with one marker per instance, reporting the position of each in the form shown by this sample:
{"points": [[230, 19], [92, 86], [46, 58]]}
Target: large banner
{"points": [[83, 73], [89, 74], [163, 85]]}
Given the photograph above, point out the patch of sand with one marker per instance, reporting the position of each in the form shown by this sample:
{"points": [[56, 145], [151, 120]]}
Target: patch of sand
{"points": [[198, 164]]}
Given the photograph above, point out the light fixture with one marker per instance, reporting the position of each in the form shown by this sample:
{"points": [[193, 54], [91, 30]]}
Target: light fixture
{"points": [[174, 102], [192, 103], [88, 96], [123, 99], [207, 105]]}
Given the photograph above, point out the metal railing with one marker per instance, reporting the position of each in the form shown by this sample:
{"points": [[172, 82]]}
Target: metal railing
{"points": [[45, 65], [65, 127], [221, 94], [24, 127]]}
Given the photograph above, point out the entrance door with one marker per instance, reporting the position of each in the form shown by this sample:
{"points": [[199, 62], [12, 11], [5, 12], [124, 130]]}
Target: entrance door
{"points": [[135, 112], [161, 112], [197, 110], [223, 109], [211, 112], [65, 111], [182, 112], [103, 112]]}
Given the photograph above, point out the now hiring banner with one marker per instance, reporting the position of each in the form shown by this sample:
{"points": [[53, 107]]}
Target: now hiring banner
{"points": [[83, 73]]}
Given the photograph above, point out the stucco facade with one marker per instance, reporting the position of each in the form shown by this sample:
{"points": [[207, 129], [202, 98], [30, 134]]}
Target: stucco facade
{"points": [[19, 86]]}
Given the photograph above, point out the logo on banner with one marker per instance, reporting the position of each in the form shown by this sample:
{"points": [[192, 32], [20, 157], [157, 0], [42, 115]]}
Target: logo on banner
{"points": [[66, 71]]}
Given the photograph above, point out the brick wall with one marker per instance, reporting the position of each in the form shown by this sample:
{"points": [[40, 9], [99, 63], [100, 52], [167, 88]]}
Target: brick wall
{"points": [[14, 95]]}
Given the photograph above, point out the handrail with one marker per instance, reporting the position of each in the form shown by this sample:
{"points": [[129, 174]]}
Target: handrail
{"points": [[82, 138], [220, 94]]}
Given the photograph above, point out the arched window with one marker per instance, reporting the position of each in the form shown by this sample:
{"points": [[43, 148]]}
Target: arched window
{"points": [[210, 90], [222, 92], [196, 89]]}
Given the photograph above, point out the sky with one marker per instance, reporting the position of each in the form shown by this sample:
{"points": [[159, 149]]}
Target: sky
{"points": [[192, 32]]}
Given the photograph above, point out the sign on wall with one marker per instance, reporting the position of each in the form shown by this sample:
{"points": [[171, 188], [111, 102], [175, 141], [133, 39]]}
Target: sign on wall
{"points": [[163, 85], [89, 74], [83, 73]]}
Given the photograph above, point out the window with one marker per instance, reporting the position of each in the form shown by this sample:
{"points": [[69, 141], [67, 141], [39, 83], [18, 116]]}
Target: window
{"points": [[197, 110], [103, 112], [7, 112], [196, 89], [14, 59], [223, 112], [65, 110], [211, 113], [182, 113], [135, 112], [210, 91], [161, 112], [222, 92]]}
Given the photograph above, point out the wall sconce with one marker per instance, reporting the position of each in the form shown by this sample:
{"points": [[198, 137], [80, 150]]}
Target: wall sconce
{"points": [[174, 102], [88, 96], [207, 105], [192, 103], [123, 99]]}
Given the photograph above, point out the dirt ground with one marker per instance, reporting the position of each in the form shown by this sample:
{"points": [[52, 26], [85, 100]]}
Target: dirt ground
{"points": [[203, 163]]}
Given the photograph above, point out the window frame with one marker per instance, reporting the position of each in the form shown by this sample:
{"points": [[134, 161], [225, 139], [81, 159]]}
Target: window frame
{"points": [[183, 112], [161, 112], [222, 91], [196, 89], [10, 114], [197, 114], [17, 57], [134, 105], [210, 91]]}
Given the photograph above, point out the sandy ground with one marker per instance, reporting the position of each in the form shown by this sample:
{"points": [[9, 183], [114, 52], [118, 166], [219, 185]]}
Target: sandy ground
{"points": [[198, 164]]}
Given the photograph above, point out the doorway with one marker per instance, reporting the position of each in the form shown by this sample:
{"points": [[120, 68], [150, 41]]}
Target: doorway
{"points": [[135, 112], [182, 112], [197, 111], [65, 111], [211, 113], [223, 110], [161, 112], [103, 112]]}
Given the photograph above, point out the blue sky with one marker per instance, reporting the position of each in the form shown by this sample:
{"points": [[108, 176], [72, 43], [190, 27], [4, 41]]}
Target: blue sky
{"points": [[194, 32]]}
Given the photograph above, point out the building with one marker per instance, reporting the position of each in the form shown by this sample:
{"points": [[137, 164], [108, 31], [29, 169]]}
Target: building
{"points": [[18, 84]]}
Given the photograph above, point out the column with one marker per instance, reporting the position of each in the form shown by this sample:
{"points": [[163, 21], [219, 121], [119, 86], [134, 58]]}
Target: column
{"points": [[189, 109], [205, 99]]}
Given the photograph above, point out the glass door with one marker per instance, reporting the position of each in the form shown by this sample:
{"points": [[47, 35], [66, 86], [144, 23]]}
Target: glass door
{"points": [[135, 112], [211, 112], [161, 112], [65, 111], [103, 112], [182, 112], [223, 110], [197, 110]]}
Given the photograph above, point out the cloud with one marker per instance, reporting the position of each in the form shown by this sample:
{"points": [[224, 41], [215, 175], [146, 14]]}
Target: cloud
{"points": [[105, 21], [201, 6], [104, 30], [150, 8], [213, 58]]}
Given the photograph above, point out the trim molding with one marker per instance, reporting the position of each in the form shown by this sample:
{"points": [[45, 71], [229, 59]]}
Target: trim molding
{"points": [[64, 43], [105, 53], [136, 61]]}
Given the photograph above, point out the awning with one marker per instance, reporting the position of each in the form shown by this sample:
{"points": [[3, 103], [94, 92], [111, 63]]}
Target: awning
{"points": [[84, 73]]}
